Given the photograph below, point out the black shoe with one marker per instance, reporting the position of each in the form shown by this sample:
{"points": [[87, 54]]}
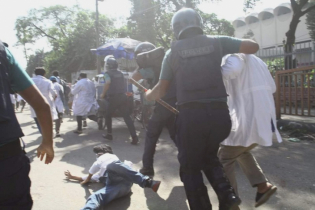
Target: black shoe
{"points": [[135, 140], [261, 198], [108, 136], [57, 135], [154, 185], [230, 203], [147, 171]]}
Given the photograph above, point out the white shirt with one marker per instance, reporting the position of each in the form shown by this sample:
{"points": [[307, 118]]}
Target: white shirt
{"points": [[251, 104], [13, 99], [58, 101], [100, 165], [84, 101], [47, 89]]}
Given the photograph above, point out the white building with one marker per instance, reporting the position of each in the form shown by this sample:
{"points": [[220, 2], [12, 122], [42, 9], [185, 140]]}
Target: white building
{"points": [[269, 27]]}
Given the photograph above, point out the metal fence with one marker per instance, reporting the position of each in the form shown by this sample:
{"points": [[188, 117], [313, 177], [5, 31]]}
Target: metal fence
{"points": [[295, 91], [303, 55]]}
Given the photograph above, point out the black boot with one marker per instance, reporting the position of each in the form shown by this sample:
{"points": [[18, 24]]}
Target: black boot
{"points": [[199, 199], [153, 184], [221, 185]]}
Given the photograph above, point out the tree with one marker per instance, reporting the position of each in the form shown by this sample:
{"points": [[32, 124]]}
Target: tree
{"points": [[298, 7], [36, 60], [70, 32], [152, 19], [310, 22]]}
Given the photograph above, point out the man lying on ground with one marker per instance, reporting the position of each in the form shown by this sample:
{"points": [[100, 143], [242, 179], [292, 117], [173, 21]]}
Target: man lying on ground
{"points": [[117, 176]]}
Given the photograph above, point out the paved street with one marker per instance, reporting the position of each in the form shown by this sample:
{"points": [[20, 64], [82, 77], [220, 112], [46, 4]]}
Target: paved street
{"points": [[290, 166]]}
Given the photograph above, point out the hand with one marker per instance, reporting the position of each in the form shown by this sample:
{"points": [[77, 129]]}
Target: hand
{"points": [[147, 95], [68, 174], [45, 149]]}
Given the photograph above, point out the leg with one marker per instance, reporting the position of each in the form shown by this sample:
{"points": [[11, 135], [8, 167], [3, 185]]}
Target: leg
{"points": [[193, 124], [251, 168], [153, 133], [79, 121], [228, 156], [170, 125], [125, 114], [119, 169], [220, 125], [107, 194], [23, 105], [93, 117], [58, 123], [16, 182]]}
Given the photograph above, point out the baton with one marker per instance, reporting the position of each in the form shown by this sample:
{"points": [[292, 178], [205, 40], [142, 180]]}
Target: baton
{"points": [[160, 101]]}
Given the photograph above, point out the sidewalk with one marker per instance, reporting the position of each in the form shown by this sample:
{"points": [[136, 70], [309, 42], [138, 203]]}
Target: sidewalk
{"points": [[297, 122]]}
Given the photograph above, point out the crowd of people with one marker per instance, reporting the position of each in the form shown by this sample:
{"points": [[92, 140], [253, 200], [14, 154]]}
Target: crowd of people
{"points": [[223, 94]]}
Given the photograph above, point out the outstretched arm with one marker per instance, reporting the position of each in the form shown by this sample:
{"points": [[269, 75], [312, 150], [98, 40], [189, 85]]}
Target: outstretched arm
{"points": [[70, 176]]}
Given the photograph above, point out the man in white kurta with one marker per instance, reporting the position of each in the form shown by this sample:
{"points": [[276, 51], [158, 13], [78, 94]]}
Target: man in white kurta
{"points": [[84, 103], [250, 88], [47, 89], [58, 104]]}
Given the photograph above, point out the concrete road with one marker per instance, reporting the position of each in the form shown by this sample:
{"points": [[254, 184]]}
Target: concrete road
{"points": [[290, 166]]}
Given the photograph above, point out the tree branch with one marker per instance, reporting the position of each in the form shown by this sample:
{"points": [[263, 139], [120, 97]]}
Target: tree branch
{"points": [[294, 5], [177, 5], [43, 32], [308, 10]]}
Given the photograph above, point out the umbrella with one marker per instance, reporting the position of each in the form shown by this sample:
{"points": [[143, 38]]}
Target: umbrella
{"points": [[119, 48]]}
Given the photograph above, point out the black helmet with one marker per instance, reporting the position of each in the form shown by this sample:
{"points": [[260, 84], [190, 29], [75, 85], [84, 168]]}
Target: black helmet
{"points": [[144, 47], [184, 19], [110, 63]]}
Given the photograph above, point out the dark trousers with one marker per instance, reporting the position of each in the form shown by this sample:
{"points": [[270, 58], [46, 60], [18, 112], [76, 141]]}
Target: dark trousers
{"points": [[199, 133], [119, 102], [58, 122], [14, 181], [80, 118], [161, 118]]}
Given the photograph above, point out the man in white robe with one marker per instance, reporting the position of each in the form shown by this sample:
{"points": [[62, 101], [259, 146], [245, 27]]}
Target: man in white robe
{"points": [[84, 103], [58, 104], [47, 89], [250, 87]]}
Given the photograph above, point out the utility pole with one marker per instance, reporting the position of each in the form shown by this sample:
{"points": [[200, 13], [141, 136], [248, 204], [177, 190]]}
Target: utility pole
{"points": [[98, 61]]}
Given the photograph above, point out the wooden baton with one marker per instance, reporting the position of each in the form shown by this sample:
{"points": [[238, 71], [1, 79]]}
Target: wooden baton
{"points": [[160, 101]]}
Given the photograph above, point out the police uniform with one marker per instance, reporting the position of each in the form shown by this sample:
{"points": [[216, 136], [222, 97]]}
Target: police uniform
{"points": [[160, 118], [194, 61], [117, 99], [14, 164]]}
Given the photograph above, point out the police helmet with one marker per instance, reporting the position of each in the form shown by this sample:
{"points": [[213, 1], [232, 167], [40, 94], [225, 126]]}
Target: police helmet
{"points": [[184, 19], [53, 79], [110, 62], [144, 47]]}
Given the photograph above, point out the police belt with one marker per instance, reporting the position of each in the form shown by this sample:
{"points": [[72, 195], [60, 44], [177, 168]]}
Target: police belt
{"points": [[200, 105], [10, 149]]}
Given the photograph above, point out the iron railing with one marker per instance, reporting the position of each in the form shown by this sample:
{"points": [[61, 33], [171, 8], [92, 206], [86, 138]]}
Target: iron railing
{"points": [[295, 91]]}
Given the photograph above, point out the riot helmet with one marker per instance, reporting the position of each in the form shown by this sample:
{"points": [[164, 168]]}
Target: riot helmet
{"points": [[110, 63], [144, 47], [185, 19]]}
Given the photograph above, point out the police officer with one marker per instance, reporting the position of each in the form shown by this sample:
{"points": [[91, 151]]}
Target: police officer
{"points": [[203, 121], [14, 164], [161, 117], [115, 93]]}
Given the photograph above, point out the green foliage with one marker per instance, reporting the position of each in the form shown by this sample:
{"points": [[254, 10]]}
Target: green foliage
{"points": [[249, 35], [70, 32], [310, 22], [215, 26], [36, 60]]}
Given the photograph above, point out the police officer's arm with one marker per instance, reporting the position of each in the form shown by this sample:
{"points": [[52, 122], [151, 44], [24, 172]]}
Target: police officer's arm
{"points": [[248, 46], [158, 91], [106, 87], [136, 75], [42, 110]]}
